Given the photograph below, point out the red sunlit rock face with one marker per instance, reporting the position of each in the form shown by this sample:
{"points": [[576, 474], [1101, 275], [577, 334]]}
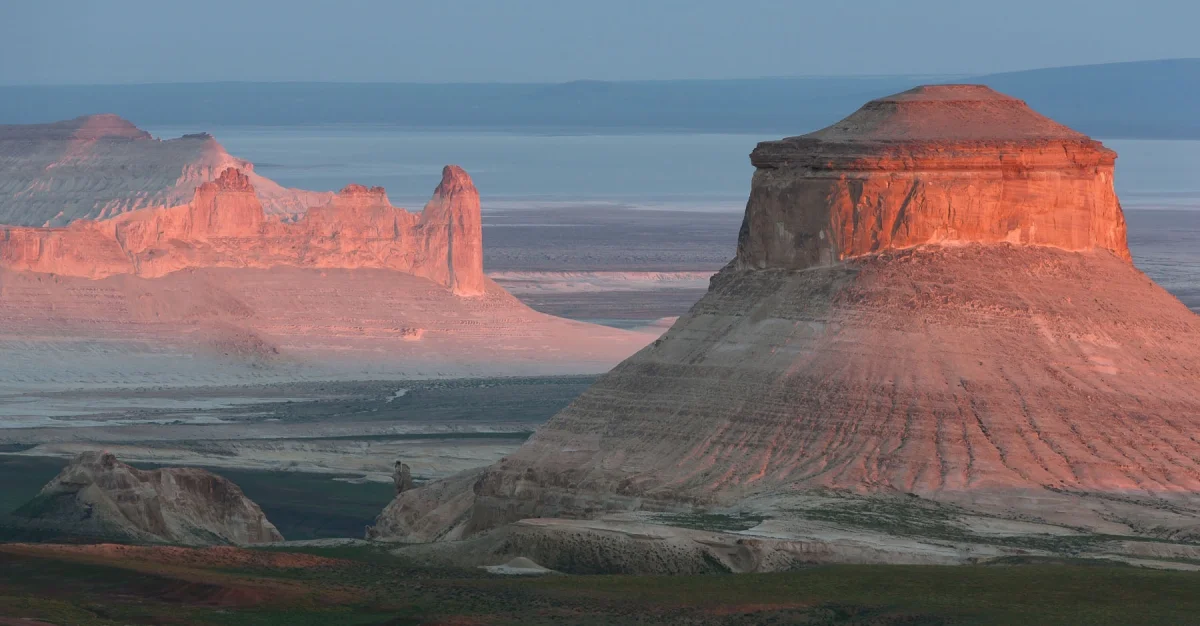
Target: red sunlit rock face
{"points": [[224, 225], [931, 297], [936, 164]]}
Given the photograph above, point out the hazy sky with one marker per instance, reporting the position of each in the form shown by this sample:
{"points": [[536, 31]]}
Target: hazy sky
{"points": [[119, 41]]}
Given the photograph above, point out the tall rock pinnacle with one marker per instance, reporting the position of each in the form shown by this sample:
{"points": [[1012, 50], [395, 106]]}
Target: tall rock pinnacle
{"points": [[454, 211]]}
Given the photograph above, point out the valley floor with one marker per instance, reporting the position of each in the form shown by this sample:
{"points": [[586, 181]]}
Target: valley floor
{"points": [[359, 585], [284, 444]]}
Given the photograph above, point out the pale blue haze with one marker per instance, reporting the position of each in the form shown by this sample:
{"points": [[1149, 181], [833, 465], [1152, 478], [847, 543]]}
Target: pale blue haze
{"points": [[706, 171], [136, 41]]}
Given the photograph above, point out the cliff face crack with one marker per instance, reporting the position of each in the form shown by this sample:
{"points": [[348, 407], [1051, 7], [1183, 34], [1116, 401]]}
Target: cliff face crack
{"points": [[898, 221]]}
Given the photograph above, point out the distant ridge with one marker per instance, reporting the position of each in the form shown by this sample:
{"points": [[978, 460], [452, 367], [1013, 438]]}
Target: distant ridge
{"points": [[101, 166], [1147, 99], [1140, 99]]}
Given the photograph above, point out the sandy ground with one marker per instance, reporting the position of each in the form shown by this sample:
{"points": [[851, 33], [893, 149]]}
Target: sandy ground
{"points": [[437, 427]]}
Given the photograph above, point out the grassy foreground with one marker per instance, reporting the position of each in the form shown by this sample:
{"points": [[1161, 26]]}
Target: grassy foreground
{"points": [[107, 585]]}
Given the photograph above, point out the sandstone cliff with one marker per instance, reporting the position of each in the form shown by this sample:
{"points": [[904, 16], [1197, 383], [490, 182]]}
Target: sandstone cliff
{"points": [[931, 297], [225, 225], [942, 164], [101, 166], [220, 290], [97, 496]]}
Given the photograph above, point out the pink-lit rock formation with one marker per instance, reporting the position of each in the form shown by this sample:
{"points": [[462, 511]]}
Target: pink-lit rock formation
{"points": [[101, 166], [931, 297], [225, 225], [236, 325], [220, 287], [939, 164]]}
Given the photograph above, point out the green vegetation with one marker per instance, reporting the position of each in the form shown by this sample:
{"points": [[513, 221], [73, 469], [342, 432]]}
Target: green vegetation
{"points": [[936, 521], [711, 521], [369, 588]]}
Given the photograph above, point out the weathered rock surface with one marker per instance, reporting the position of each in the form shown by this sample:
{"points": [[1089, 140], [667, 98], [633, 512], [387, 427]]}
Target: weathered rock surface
{"points": [[937, 164], [932, 297], [225, 225], [101, 166], [97, 496], [402, 478], [219, 290]]}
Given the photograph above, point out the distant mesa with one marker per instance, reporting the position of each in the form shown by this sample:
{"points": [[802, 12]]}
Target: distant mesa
{"points": [[98, 497], [225, 225], [933, 297], [935, 164], [171, 262], [100, 166]]}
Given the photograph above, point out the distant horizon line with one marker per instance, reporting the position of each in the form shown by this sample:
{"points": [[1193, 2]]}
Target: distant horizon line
{"points": [[915, 75]]}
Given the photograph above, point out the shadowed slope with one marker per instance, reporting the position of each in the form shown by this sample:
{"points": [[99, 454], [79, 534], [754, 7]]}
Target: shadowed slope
{"points": [[97, 496]]}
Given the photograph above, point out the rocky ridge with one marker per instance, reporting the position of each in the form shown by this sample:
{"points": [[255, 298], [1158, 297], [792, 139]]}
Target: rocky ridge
{"points": [[225, 225], [932, 298], [937, 164], [218, 290], [97, 496], [101, 166]]}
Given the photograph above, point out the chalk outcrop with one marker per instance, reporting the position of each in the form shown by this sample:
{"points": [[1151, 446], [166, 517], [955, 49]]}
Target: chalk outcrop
{"points": [[932, 297], [101, 166], [225, 225], [99, 497]]}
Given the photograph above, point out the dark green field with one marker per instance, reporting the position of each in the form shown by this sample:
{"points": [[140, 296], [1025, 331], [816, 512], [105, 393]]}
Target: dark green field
{"points": [[301, 505], [367, 586]]}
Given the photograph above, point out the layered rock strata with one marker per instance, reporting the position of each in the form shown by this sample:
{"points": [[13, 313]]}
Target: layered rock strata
{"points": [[97, 496], [941, 164], [225, 225], [931, 297], [101, 166]]}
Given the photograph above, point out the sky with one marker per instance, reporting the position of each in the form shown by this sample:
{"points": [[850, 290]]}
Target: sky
{"points": [[141, 41]]}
